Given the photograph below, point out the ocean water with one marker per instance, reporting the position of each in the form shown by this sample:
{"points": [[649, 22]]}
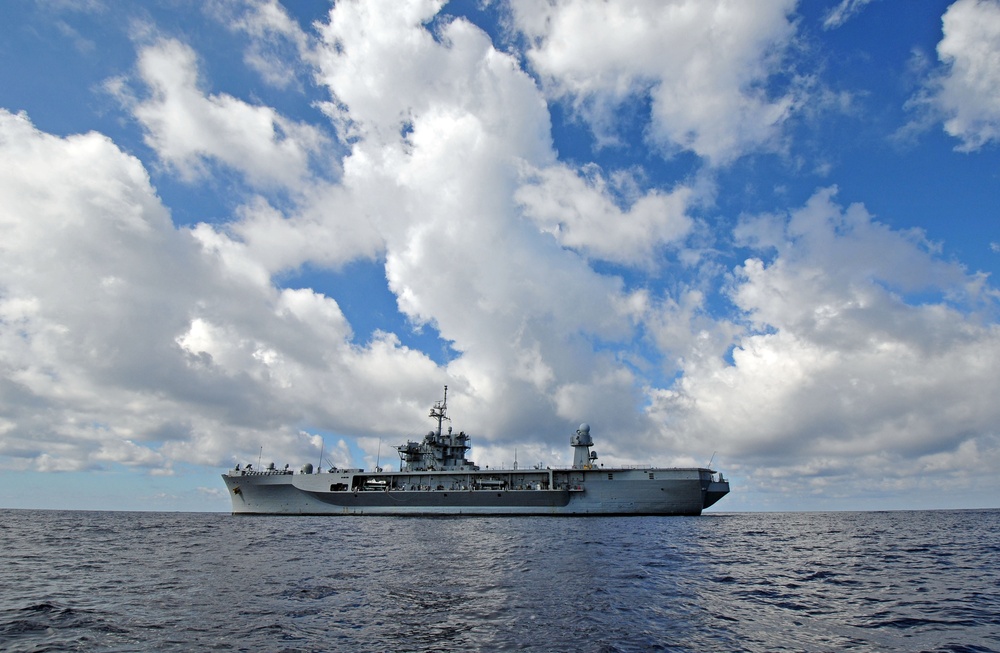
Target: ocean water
{"points": [[878, 581]]}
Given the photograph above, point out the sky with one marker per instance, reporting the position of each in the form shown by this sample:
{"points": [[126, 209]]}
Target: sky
{"points": [[762, 236]]}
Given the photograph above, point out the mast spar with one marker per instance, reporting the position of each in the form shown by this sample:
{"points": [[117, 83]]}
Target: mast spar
{"points": [[440, 411]]}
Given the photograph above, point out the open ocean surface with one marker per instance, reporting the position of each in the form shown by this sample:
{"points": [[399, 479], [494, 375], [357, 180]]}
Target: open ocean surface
{"points": [[868, 581]]}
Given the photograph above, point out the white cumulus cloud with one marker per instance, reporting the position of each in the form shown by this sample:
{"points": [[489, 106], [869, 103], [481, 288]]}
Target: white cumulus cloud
{"points": [[126, 340], [704, 66], [966, 91], [581, 211], [860, 356], [188, 129]]}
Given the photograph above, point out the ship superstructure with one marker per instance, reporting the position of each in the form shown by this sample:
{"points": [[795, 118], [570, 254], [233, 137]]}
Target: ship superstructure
{"points": [[438, 451], [436, 478]]}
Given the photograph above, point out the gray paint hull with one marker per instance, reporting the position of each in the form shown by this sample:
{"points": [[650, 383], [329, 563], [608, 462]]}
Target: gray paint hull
{"points": [[651, 491]]}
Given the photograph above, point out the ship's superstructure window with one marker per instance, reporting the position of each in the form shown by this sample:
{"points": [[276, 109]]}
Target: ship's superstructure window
{"points": [[651, 476]]}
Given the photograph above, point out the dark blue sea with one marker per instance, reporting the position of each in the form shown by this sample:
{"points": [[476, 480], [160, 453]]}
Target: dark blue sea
{"points": [[868, 581]]}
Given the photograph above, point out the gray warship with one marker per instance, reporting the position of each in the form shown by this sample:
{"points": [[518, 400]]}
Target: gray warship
{"points": [[436, 478]]}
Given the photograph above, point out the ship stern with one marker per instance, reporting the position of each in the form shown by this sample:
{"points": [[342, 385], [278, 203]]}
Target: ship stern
{"points": [[715, 490]]}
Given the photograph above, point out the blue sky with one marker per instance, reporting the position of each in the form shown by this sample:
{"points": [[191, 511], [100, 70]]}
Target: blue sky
{"points": [[761, 231]]}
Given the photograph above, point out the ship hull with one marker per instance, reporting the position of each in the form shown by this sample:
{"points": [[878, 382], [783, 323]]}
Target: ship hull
{"points": [[651, 491]]}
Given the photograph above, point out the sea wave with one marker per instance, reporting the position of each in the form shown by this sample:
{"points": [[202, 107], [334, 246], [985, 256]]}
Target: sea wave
{"points": [[906, 581]]}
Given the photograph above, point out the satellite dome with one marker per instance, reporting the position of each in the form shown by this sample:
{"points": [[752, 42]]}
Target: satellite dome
{"points": [[584, 428]]}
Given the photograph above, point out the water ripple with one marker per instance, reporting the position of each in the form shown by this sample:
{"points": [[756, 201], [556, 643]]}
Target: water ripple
{"points": [[907, 581]]}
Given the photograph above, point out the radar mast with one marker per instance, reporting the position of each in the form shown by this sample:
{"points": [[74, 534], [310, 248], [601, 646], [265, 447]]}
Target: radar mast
{"points": [[440, 411]]}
